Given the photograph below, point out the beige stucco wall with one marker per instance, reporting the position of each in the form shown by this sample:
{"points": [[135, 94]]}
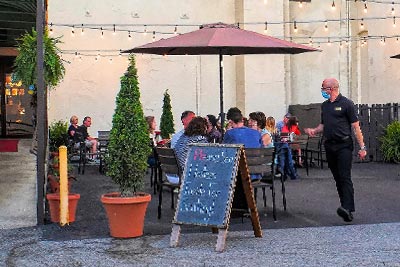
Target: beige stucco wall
{"points": [[254, 82]]}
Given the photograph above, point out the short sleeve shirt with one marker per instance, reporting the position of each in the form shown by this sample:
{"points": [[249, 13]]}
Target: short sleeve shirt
{"points": [[250, 138], [337, 117]]}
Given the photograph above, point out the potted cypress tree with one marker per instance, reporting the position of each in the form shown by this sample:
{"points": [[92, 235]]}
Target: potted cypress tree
{"points": [[126, 160], [167, 119]]}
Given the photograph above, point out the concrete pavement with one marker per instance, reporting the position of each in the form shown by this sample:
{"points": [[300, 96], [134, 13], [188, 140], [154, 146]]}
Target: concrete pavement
{"points": [[18, 187], [352, 245], [309, 233]]}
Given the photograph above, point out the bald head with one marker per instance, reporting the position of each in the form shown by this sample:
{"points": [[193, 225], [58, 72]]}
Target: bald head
{"points": [[331, 83], [331, 86]]}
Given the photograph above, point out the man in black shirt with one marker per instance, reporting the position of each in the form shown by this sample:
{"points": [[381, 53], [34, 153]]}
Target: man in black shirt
{"points": [[90, 142], [338, 118]]}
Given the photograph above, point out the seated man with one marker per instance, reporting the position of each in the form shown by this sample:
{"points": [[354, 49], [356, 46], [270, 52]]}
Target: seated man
{"points": [[186, 117], [90, 142], [240, 134]]}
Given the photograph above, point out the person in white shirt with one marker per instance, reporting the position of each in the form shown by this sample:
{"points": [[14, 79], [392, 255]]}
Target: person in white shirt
{"points": [[186, 117]]}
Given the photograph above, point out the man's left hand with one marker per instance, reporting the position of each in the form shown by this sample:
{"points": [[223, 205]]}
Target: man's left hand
{"points": [[362, 153]]}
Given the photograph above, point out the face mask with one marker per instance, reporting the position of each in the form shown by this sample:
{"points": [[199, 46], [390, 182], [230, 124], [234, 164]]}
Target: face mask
{"points": [[325, 95]]}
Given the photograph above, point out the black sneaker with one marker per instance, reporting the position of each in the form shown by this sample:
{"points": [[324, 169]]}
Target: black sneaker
{"points": [[345, 214]]}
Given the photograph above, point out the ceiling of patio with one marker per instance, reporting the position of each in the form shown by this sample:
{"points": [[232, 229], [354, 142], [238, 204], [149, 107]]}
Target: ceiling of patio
{"points": [[16, 17]]}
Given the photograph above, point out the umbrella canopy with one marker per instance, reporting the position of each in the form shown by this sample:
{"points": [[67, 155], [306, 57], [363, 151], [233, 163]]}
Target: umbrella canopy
{"points": [[396, 56], [221, 39]]}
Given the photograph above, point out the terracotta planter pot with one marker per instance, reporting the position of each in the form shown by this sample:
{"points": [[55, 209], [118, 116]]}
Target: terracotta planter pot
{"points": [[125, 214], [54, 205], [55, 184]]}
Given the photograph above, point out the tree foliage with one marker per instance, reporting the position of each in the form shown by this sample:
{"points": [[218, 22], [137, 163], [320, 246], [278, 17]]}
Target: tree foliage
{"points": [[129, 138], [25, 62], [391, 143], [58, 134], [167, 119]]}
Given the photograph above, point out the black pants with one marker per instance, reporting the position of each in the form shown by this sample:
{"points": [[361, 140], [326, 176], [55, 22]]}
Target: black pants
{"points": [[339, 156]]}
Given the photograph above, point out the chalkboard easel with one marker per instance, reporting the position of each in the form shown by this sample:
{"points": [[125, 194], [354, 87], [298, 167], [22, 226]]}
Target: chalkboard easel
{"points": [[207, 190]]}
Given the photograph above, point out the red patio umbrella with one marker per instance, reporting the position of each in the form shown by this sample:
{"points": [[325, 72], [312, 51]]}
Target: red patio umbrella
{"points": [[220, 39]]}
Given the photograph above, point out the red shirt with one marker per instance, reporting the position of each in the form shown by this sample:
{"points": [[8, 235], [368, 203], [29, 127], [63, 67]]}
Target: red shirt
{"points": [[294, 129]]}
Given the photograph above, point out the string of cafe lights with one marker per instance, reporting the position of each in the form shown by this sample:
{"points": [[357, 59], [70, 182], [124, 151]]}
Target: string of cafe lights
{"points": [[113, 54], [314, 41], [144, 28]]}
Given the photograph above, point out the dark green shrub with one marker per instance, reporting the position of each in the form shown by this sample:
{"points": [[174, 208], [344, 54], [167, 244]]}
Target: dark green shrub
{"points": [[128, 148], [391, 143], [167, 119], [58, 135]]}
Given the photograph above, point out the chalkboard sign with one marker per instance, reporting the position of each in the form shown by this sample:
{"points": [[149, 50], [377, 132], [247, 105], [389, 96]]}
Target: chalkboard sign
{"points": [[208, 183]]}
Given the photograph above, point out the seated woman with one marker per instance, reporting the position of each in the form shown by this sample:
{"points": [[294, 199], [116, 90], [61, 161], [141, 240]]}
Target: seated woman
{"points": [[271, 131], [74, 134], [292, 127], [284, 152], [213, 133], [194, 133], [151, 123], [258, 121], [73, 127]]}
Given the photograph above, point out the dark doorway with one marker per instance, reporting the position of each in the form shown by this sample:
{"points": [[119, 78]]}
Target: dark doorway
{"points": [[16, 111]]}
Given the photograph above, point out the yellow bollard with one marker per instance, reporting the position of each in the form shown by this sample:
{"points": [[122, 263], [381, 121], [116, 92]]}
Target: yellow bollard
{"points": [[64, 216]]}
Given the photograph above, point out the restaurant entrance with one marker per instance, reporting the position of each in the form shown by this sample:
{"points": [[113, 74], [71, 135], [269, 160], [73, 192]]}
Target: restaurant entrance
{"points": [[15, 101]]}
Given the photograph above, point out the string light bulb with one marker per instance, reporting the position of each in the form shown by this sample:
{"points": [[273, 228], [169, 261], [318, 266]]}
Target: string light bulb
{"points": [[114, 33], [301, 3], [326, 25], [329, 41], [176, 29], [51, 29], [362, 24], [129, 35], [154, 36], [365, 7], [295, 27], [333, 5], [73, 31], [145, 30], [266, 27], [383, 40], [310, 41], [393, 12], [82, 30], [265, 2], [102, 32]]}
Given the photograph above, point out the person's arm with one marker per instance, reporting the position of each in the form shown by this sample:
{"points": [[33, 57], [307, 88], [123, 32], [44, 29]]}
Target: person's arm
{"points": [[314, 131], [362, 153], [266, 139]]}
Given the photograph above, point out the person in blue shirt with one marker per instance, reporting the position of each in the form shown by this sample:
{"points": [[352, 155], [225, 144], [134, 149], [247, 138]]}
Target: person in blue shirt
{"points": [[240, 134], [282, 123]]}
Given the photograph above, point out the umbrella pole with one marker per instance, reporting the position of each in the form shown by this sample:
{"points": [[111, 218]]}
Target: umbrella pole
{"points": [[221, 92]]}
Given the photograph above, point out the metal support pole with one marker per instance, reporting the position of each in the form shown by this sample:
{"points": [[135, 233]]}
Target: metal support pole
{"points": [[41, 113], [221, 90]]}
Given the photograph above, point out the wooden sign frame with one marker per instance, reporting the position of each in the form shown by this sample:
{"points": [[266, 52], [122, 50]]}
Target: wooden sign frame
{"points": [[188, 195]]}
